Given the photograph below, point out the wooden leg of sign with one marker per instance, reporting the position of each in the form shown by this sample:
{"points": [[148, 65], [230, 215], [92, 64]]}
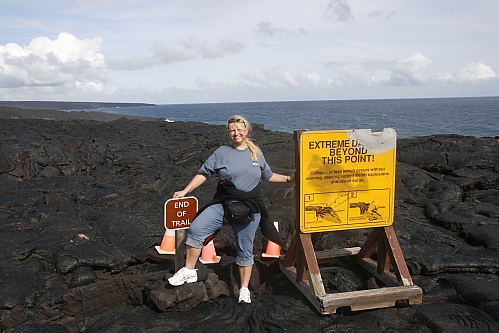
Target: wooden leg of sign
{"points": [[389, 251], [312, 265], [295, 260], [301, 264], [299, 254], [396, 257], [388, 255], [180, 236], [383, 257], [290, 257], [301, 267], [370, 245]]}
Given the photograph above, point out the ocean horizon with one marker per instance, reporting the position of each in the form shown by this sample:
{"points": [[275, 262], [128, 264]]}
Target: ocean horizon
{"points": [[468, 116]]}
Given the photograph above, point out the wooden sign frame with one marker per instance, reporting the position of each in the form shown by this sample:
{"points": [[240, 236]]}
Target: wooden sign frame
{"points": [[301, 266]]}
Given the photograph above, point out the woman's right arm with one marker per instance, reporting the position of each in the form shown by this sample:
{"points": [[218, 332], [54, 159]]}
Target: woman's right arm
{"points": [[196, 181]]}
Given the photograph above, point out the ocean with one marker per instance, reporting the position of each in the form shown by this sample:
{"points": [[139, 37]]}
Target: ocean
{"points": [[469, 116]]}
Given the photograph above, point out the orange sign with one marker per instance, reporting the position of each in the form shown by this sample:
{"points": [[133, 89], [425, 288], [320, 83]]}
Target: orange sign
{"points": [[180, 212]]}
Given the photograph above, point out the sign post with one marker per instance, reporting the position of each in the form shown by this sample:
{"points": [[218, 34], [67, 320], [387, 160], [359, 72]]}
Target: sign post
{"points": [[179, 214], [346, 180]]}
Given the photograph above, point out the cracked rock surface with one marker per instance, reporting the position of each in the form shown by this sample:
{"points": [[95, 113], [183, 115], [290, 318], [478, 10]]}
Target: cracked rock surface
{"points": [[81, 209]]}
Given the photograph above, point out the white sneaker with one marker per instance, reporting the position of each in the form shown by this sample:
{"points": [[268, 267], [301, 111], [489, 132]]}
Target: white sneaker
{"points": [[184, 275], [244, 296]]}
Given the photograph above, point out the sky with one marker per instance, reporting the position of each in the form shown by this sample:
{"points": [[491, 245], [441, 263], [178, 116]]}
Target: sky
{"points": [[202, 51]]}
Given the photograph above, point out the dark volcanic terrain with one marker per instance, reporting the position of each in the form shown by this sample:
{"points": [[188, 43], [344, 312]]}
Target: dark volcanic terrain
{"points": [[81, 209]]}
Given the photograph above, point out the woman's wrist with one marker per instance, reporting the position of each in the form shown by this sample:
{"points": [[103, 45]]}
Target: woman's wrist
{"points": [[287, 179]]}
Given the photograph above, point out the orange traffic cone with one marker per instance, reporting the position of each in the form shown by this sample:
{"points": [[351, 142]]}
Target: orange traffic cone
{"points": [[167, 243], [273, 249], [208, 254]]}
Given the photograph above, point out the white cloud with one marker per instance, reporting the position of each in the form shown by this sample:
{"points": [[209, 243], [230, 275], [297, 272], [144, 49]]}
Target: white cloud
{"points": [[191, 48], [133, 64], [246, 50], [183, 50], [413, 70], [409, 71], [280, 78], [338, 10], [381, 15], [268, 28], [476, 71], [46, 62], [218, 50], [89, 86]]}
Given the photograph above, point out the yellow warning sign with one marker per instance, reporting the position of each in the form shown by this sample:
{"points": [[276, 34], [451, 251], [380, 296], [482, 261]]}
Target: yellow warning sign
{"points": [[347, 179]]}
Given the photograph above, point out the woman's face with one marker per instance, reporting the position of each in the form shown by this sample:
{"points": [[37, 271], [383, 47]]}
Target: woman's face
{"points": [[238, 133]]}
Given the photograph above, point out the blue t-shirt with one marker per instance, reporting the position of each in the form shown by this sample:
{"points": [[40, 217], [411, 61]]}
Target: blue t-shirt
{"points": [[237, 166]]}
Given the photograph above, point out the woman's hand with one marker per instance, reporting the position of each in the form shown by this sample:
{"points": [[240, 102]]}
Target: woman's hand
{"points": [[180, 194], [278, 178]]}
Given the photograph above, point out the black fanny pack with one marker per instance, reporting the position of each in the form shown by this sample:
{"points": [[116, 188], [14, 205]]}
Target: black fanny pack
{"points": [[236, 212]]}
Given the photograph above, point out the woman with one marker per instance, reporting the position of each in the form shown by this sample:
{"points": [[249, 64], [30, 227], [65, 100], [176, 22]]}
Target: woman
{"points": [[239, 166]]}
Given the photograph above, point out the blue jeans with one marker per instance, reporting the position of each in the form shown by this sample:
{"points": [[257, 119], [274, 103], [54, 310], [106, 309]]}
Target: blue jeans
{"points": [[211, 219]]}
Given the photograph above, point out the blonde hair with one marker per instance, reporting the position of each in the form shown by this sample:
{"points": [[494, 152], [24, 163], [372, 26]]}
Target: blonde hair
{"points": [[255, 151]]}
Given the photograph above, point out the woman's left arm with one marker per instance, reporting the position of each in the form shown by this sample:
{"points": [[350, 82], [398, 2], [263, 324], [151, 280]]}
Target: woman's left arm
{"points": [[278, 178]]}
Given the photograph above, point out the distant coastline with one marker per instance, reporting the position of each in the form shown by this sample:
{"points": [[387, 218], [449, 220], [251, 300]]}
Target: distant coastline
{"points": [[59, 110], [54, 105], [410, 117]]}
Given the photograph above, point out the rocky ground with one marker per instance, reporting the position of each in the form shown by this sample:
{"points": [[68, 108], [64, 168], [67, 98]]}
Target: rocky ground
{"points": [[81, 209]]}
